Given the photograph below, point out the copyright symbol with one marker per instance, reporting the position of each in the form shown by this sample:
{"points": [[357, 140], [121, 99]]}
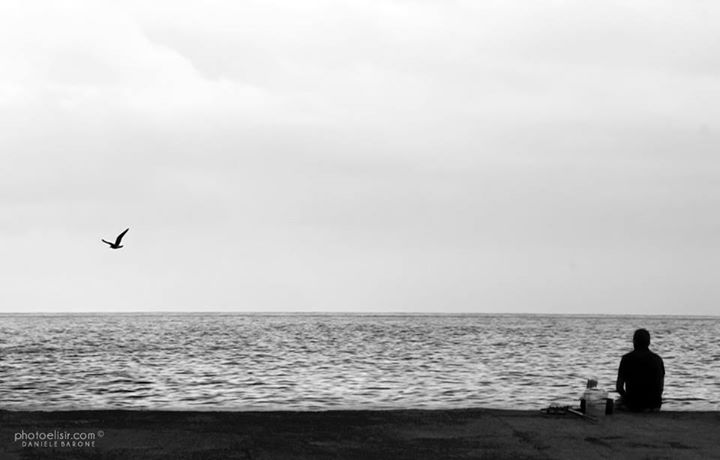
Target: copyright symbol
{"points": [[100, 433]]}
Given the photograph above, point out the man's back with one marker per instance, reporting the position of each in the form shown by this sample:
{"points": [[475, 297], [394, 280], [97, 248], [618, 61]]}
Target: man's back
{"points": [[643, 373]]}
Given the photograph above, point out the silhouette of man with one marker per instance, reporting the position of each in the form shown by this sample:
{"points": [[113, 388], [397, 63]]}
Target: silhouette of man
{"points": [[641, 376]]}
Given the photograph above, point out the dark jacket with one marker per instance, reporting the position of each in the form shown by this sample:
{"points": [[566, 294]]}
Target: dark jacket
{"points": [[641, 379]]}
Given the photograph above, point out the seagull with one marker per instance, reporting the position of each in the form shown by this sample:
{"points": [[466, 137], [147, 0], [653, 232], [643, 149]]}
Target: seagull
{"points": [[116, 244]]}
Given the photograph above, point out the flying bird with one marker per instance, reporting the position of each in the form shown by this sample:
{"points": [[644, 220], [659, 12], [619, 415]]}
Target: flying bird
{"points": [[116, 244]]}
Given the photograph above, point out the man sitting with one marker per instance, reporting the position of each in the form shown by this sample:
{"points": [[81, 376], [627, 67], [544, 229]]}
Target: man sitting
{"points": [[641, 376]]}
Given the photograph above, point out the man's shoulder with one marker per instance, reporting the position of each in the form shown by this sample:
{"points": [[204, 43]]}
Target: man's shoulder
{"points": [[641, 354], [629, 355]]}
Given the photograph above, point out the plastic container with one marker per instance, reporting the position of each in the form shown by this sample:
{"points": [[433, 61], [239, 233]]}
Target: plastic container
{"points": [[595, 402]]}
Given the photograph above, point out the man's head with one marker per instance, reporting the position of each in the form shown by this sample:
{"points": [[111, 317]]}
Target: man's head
{"points": [[641, 339]]}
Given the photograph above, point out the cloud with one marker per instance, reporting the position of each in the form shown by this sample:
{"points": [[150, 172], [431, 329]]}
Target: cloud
{"points": [[370, 154]]}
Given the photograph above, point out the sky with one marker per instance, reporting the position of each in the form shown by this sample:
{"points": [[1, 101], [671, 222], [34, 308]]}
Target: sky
{"points": [[443, 156]]}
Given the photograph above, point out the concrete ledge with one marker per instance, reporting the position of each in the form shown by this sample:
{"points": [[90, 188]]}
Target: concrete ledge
{"points": [[392, 434]]}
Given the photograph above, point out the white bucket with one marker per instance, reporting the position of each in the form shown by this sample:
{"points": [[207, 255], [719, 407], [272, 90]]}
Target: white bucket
{"points": [[595, 400]]}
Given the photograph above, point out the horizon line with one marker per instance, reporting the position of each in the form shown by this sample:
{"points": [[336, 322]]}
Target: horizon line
{"points": [[333, 312]]}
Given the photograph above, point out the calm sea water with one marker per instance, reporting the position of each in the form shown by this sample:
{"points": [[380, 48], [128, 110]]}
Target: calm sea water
{"points": [[299, 362]]}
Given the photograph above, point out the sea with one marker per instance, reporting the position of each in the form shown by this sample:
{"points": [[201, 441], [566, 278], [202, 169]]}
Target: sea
{"points": [[262, 362]]}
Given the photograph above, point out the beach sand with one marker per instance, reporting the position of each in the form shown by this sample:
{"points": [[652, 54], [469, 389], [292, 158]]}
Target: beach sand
{"points": [[396, 434]]}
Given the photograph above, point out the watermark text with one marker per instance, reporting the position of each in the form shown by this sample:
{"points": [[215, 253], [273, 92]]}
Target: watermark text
{"points": [[57, 438]]}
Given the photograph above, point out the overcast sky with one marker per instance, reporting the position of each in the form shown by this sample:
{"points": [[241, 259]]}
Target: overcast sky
{"points": [[396, 155]]}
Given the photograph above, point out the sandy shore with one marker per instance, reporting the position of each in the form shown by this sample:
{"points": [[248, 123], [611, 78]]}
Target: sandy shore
{"points": [[405, 434]]}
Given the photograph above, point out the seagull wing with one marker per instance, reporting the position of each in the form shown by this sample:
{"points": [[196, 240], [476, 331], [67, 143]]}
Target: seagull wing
{"points": [[107, 242], [120, 236]]}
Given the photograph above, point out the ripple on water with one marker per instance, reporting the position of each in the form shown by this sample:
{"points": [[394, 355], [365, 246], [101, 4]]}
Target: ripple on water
{"points": [[253, 362]]}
